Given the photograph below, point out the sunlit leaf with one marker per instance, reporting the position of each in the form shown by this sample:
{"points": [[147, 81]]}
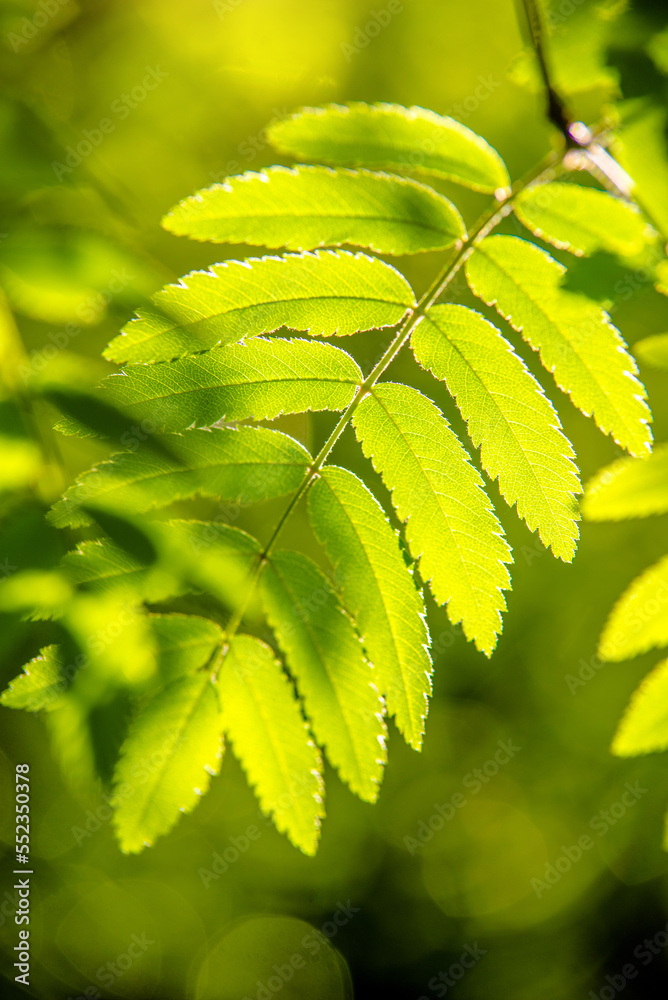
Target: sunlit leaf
{"points": [[450, 526], [573, 335], [323, 293], [307, 207], [581, 219], [263, 721], [628, 488], [325, 655], [509, 419], [172, 748], [378, 590], [388, 135]]}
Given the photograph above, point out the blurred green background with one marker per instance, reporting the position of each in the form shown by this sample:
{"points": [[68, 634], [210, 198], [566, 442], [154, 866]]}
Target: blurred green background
{"points": [[401, 890]]}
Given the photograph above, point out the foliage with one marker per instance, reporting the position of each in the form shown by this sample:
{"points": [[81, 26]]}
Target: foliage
{"points": [[207, 360]]}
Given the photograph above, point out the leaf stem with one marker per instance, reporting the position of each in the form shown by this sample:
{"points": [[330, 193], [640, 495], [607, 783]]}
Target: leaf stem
{"points": [[552, 164]]}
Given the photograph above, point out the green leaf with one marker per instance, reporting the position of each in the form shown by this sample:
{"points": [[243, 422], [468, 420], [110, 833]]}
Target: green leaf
{"points": [[509, 419], [378, 590], [639, 619], [263, 721], [574, 336], [259, 379], [628, 488], [208, 555], [248, 465], [388, 135], [451, 527], [172, 748], [184, 643], [325, 655], [41, 592], [582, 220], [103, 564], [661, 283], [40, 686], [307, 207], [642, 149], [323, 293], [653, 351], [644, 727], [20, 456]]}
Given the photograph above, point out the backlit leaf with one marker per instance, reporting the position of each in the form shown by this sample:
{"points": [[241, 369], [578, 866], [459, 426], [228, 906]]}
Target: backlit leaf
{"points": [[450, 526], [171, 750], [325, 655], [574, 336], [307, 207], [378, 590], [582, 219], [263, 721], [248, 465], [388, 135], [509, 419], [323, 293]]}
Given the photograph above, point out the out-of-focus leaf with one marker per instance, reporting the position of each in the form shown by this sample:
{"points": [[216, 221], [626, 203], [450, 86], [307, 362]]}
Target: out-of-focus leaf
{"points": [[628, 488], [248, 465], [639, 619], [653, 351], [644, 727]]}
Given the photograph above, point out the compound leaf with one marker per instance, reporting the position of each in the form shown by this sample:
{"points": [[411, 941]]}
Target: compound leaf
{"points": [[388, 135], [263, 721], [378, 590], [323, 293], [172, 748], [574, 336], [451, 527], [509, 418], [302, 208]]}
